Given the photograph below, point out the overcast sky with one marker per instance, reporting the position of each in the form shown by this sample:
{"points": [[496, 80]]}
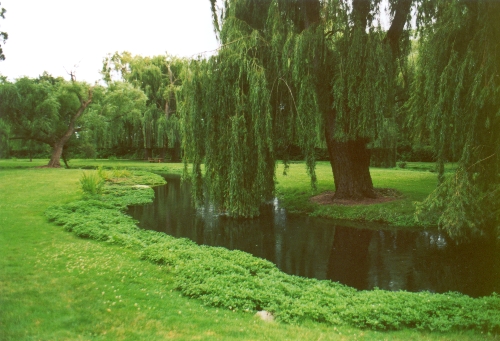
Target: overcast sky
{"points": [[56, 35]]}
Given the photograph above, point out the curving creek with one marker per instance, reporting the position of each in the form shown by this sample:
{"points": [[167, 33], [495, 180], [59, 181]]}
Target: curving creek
{"points": [[363, 258]]}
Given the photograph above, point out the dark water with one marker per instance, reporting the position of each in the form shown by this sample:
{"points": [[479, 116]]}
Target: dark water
{"points": [[320, 248]]}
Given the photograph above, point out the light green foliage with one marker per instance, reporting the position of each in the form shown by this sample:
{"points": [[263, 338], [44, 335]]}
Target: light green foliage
{"points": [[363, 88], [227, 126], [158, 78], [114, 117], [236, 280], [91, 183], [39, 108], [66, 288], [461, 208], [42, 110], [456, 96], [282, 69]]}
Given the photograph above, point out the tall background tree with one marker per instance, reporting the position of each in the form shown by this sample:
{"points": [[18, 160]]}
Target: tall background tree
{"points": [[307, 72], [456, 100], [46, 110], [113, 123], [158, 78]]}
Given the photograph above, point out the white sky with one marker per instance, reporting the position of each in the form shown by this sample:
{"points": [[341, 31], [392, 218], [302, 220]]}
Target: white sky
{"points": [[56, 35]]}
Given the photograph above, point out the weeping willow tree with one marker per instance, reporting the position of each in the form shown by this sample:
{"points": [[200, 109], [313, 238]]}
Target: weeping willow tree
{"points": [[456, 99], [114, 119], [158, 77], [227, 125], [292, 72]]}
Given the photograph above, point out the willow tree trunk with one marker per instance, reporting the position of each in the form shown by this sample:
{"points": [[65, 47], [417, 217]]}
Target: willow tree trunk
{"points": [[58, 144], [55, 159], [350, 163], [350, 160]]}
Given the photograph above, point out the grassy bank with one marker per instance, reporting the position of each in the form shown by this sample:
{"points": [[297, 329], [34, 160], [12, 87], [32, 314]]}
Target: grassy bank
{"points": [[295, 192], [58, 287], [55, 286], [414, 183]]}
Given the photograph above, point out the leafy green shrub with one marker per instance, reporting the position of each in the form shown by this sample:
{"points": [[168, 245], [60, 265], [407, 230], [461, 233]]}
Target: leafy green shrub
{"points": [[402, 164], [115, 173], [120, 173], [91, 183], [238, 281]]}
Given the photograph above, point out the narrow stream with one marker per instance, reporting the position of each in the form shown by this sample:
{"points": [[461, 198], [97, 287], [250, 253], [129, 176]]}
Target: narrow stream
{"points": [[320, 248]]}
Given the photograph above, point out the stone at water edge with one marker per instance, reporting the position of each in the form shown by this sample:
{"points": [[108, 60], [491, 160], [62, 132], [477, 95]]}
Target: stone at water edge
{"points": [[265, 316], [141, 186]]}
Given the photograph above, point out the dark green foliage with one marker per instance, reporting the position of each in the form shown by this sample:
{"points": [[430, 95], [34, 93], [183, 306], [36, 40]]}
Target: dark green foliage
{"points": [[286, 72], [238, 281], [45, 110], [456, 96], [227, 126]]}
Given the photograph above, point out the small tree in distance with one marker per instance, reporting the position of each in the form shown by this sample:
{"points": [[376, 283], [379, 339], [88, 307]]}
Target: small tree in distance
{"points": [[46, 110]]}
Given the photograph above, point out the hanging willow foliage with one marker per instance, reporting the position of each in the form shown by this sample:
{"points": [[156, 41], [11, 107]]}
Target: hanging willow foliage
{"points": [[456, 95], [282, 68], [227, 125], [158, 78]]}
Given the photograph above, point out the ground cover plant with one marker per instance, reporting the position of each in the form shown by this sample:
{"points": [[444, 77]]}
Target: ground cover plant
{"points": [[227, 279], [237, 280]]}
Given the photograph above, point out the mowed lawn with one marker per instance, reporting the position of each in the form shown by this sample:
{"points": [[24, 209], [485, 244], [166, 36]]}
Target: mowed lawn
{"points": [[295, 191], [54, 286]]}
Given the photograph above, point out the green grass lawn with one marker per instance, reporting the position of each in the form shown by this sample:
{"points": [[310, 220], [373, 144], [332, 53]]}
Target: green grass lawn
{"points": [[91, 163], [55, 286], [295, 191]]}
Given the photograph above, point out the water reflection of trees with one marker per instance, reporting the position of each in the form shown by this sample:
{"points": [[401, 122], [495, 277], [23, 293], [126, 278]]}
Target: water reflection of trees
{"points": [[313, 247]]}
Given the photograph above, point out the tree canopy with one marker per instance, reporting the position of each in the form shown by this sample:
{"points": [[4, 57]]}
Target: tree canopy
{"points": [[158, 77], [114, 119], [455, 98], [45, 110], [306, 72], [326, 73], [61, 113]]}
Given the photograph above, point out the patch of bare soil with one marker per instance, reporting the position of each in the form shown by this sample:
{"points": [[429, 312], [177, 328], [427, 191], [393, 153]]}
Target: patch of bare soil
{"points": [[382, 195]]}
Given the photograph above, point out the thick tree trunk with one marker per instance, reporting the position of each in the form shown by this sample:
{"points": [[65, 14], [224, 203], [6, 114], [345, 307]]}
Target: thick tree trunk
{"points": [[58, 145], [350, 163], [350, 160], [55, 159]]}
